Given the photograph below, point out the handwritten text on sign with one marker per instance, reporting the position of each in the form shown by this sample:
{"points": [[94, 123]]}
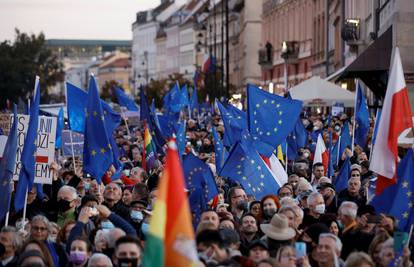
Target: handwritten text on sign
{"points": [[45, 142]]}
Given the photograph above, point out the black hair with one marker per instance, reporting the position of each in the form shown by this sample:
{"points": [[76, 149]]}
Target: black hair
{"points": [[209, 237]]}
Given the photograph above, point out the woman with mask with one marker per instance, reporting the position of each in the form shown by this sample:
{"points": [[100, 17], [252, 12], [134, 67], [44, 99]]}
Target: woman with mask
{"points": [[80, 252], [270, 205]]}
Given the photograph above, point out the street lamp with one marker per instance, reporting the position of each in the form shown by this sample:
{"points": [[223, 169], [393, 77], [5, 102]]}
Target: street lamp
{"points": [[285, 56]]}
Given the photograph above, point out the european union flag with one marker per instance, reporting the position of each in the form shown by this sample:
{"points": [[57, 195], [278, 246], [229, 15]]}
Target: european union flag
{"points": [[361, 119], [234, 123], [154, 114], [345, 139], [28, 158], [7, 166], [298, 138], [219, 149], [145, 115], [201, 185], [398, 199], [97, 150], [194, 106], [124, 100], [341, 180], [59, 128], [270, 117], [245, 166], [171, 96], [77, 101], [181, 138]]}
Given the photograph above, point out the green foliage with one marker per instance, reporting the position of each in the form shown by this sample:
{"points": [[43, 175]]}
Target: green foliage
{"points": [[107, 90], [21, 61]]}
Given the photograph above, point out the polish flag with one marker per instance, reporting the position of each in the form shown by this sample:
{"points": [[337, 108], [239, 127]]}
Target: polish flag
{"points": [[276, 168], [321, 153], [396, 117]]}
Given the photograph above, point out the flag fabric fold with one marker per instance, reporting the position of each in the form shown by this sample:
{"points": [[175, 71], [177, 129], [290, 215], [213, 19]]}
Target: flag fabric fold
{"points": [[97, 150], [361, 118], [270, 117], [321, 153], [219, 149], [170, 240], [396, 116], [341, 180], [124, 100], [7, 167], [59, 128], [28, 157]]}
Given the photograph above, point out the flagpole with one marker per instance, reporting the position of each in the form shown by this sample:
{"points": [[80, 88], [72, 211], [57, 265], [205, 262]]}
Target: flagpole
{"points": [[354, 123], [339, 149], [72, 150], [372, 136], [286, 164], [25, 206], [125, 120]]}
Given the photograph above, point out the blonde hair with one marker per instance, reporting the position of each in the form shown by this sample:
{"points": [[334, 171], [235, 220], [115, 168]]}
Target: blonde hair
{"points": [[355, 259]]}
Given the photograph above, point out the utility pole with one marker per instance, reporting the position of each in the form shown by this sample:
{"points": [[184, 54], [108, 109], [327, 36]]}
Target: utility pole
{"points": [[227, 51]]}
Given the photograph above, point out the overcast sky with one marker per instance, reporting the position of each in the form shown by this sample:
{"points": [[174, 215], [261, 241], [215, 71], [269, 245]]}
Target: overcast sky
{"points": [[71, 19]]}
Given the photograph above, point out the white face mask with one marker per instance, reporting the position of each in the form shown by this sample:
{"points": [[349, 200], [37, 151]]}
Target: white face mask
{"points": [[320, 208]]}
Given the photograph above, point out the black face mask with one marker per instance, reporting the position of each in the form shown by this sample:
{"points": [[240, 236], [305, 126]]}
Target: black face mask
{"points": [[242, 205], [64, 205], [108, 252], [128, 262]]}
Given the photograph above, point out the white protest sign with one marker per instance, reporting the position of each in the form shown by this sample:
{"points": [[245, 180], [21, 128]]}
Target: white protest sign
{"points": [[45, 142]]}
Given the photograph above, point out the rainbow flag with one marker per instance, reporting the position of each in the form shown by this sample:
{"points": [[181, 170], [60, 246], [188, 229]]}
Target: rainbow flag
{"points": [[170, 240], [149, 151]]}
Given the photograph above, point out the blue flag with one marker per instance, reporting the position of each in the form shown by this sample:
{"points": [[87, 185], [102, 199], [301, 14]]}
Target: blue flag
{"points": [[398, 199], [219, 150], [97, 150], [194, 106], [341, 180], [7, 166], [153, 113], [77, 101], [298, 138], [270, 117], [331, 171], [234, 123], [145, 115], [59, 128], [245, 166], [28, 158], [171, 97], [361, 118], [124, 100], [345, 139], [377, 119], [181, 138], [200, 183]]}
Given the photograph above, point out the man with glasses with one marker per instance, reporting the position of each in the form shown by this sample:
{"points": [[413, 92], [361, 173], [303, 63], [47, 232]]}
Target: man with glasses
{"points": [[238, 202], [353, 192]]}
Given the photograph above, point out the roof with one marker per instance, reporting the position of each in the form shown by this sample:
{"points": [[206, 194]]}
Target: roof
{"points": [[86, 42], [118, 63], [318, 92]]}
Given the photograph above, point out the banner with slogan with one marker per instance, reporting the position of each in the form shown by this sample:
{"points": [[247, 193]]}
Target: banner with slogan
{"points": [[75, 141], [45, 142]]}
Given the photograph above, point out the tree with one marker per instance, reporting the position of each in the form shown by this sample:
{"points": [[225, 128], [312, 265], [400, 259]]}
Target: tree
{"points": [[107, 90], [21, 61]]}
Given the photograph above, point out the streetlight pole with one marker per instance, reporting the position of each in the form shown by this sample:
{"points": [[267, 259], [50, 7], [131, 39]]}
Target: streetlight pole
{"points": [[285, 57]]}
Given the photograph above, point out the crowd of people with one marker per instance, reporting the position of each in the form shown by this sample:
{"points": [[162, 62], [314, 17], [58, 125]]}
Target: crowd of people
{"points": [[77, 221]]}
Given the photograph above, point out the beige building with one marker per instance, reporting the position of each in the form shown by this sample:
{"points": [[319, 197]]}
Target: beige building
{"points": [[288, 21], [117, 68]]}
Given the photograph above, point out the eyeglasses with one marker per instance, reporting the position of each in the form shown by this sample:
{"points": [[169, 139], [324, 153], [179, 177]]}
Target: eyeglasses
{"points": [[39, 229], [355, 175]]}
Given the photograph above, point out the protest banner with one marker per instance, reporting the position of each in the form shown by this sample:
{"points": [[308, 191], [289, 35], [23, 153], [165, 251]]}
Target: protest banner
{"points": [[45, 143], [74, 142]]}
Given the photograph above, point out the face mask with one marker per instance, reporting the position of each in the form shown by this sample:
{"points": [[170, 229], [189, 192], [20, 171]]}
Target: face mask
{"points": [[315, 128], [145, 228], [127, 172], [242, 205], [337, 128], [270, 212], [64, 205], [199, 143], [77, 257], [128, 262], [136, 215], [306, 155], [107, 225], [87, 186], [320, 208]]}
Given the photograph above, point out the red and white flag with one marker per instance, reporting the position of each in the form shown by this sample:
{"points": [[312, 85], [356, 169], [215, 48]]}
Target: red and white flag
{"points": [[321, 153], [395, 118]]}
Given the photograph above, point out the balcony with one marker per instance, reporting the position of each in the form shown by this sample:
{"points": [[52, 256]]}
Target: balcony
{"points": [[266, 58]]}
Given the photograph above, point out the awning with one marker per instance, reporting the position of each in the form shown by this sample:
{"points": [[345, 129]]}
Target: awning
{"points": [[372, 65]]}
